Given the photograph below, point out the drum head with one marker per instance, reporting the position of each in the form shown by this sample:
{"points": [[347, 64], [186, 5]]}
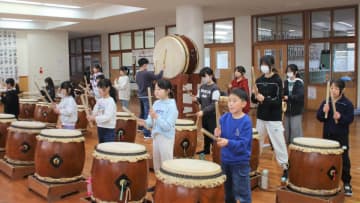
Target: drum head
{"points": [[184, 122], [120, 148], [6, 116], [315, 142], [28, 125], [176, 58], [191, 167], [30, 101], [122, 114], [61, 133]]}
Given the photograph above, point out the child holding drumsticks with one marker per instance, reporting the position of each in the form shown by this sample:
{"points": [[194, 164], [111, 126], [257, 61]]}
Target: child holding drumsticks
{"points": [[235, 138]]}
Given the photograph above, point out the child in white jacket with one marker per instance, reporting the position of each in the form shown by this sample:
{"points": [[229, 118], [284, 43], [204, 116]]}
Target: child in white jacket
{"points": [[122, 84], [67, 108]]}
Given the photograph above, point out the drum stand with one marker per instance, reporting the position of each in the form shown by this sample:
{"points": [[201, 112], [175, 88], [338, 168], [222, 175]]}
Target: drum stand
{"points": [[178, 83], [16, 171], [285, 195], [255, 180], [55, 191]]}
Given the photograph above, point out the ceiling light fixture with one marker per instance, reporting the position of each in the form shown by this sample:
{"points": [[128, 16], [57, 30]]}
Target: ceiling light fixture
{"points": [[15, 19], [344, 23], [41, 4]]}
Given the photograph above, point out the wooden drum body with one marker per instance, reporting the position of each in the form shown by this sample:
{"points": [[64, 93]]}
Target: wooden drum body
{"points": [[177, 53], [27, 108], [315, 166], [21, 142], [185, 138], [44, 113], [119, 168], [5, 121], [126, 127], [255, 152], [82, 121], [59, 156], [190, 181]]}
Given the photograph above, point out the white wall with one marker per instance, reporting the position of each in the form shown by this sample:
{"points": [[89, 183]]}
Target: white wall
{"points": [[243, 44], [159, 32], [358, 56], [46, 49], [105, 54]]}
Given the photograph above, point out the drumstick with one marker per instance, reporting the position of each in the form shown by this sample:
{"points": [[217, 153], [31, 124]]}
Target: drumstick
{"points": [[150, 101], [86, 91], [132, 115], [334, 106], [198, 118], [327, 96], [217, 114], [209, 134], [164, 61], [190, 114], [86, 109], [253, 77], [46, 93]]}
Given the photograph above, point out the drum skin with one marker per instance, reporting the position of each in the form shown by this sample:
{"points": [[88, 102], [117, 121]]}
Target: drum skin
{"points": [[185, 137], [310, 170], [105, 173], [125, 130], [26, 110], [82, 122], [21, 146], [44, 113], [71, 156], [179, 48], [179, 194]]}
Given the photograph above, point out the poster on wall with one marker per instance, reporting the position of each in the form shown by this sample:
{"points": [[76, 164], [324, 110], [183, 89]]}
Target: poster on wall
{"points": [[8, 56]]}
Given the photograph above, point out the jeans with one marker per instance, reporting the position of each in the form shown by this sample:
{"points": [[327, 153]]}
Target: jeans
{"points": [[144, 112], [237, 184], [71, 127], [106, 134], [124, 103]]}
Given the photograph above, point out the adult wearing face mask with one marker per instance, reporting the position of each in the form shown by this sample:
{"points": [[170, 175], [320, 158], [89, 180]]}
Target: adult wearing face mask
{"points": [[269, 113], [294, 97], [207, 95]]}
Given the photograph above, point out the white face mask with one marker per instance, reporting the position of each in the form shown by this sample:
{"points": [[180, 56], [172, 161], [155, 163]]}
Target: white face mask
{"points": [[264, 69], [61, 95], [204, 80], [290, 74]]}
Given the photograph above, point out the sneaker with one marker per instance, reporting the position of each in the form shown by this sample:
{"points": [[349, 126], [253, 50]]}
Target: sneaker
{"points": [[203, 152], [347, 190], [147, 137], [151, 189], [284, 177]]}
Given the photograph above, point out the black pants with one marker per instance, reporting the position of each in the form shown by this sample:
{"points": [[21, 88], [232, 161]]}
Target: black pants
{"points": [[344, 141], [209, 124]]}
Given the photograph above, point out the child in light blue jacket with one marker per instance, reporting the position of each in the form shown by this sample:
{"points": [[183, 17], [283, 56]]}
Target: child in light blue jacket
{"points": [[161, 119]]}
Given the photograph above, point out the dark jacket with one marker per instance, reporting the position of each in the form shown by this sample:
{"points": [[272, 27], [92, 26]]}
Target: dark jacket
{"points": [[205, 98], [11, 102], [339, 131], [50, 91], [272, 89], [295, 102]]}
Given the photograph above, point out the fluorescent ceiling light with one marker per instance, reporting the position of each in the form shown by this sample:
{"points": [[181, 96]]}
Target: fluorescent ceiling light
{"points": [[41, 4], [221, 32], [292, 30], [344, 23], [15, 19], [223, 26], [264, 29]]}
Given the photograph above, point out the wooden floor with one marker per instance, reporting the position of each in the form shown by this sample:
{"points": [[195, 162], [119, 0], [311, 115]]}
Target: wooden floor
{"points": [[17, 191]]}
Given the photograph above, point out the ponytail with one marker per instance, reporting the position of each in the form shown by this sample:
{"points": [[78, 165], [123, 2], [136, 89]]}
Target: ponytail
{"points": [[105, 83]]}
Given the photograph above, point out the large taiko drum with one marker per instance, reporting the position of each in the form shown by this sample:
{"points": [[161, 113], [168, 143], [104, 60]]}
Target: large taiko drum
{"points": [[255, 153], [189, 180], [59, 156], [5, 121], [44, 113], [21, 142], [118, 170], [178, 52], [185, 138], [223, 104], [315, 166], [81, 123], [27, 108], [126, 127]]}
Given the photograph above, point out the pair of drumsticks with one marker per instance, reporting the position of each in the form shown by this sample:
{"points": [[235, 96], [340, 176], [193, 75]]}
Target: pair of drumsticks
{"points": [[332, 100]]}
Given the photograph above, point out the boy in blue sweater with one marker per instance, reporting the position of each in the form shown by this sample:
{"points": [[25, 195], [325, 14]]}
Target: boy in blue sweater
{"points": [[235, 138], [336, 126]]}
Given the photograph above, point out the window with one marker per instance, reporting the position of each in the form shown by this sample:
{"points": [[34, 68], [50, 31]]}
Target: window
{"points": [[266, 29], [171, 30], [139, 40], [296, 56], [224, 31], [319, 62], [343, 64], [114, 42], [126, 42], [292, 26], [150, 38], [344, 22], [320, 24], [208, 33]]}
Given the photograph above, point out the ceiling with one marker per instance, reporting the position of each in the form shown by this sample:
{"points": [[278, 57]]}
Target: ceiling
{"points": [[106, 16]]}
